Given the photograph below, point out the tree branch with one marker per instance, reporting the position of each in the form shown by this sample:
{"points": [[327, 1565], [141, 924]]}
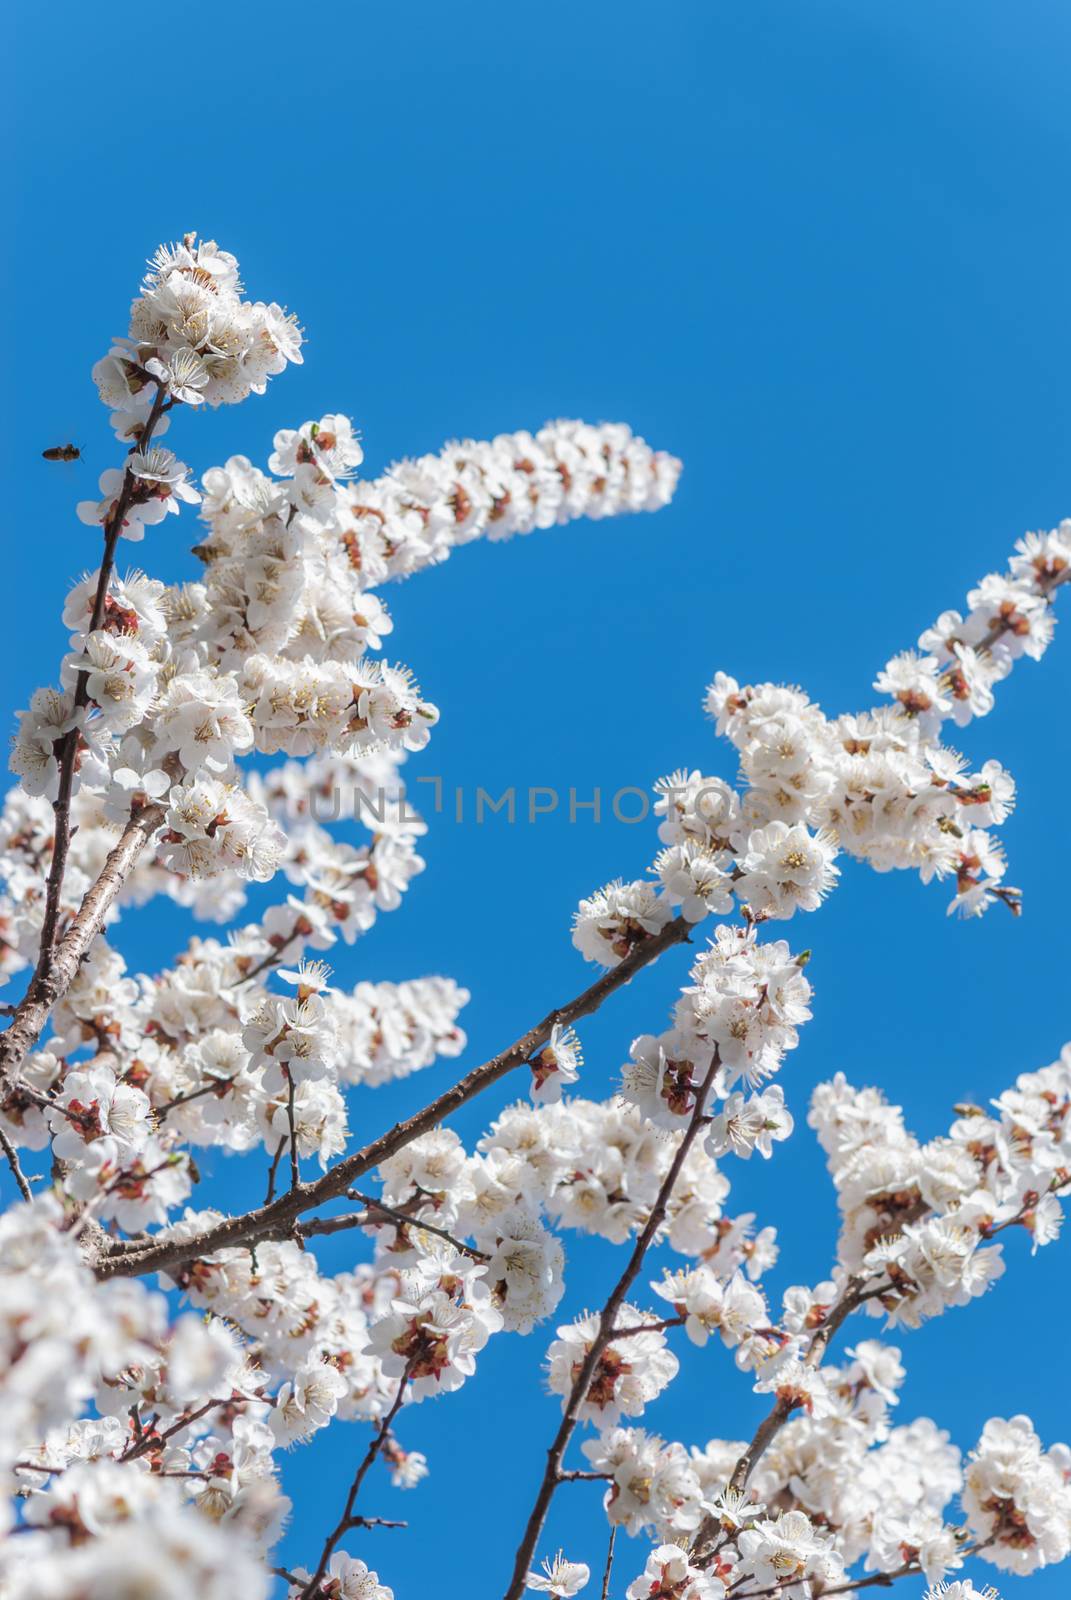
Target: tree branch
{"points": [[12, 1158], [273, 1169], [213, 1086], [295, 1165], [608, 1569], [880, 1580], [347, 1519], [771, 1425], [1047, 585], [69, 745], [374, 1217], [401, 1219], [276, 1219], [603, 1337], [147, 1439], [53, 977], [854, 1295], [55, 968]]}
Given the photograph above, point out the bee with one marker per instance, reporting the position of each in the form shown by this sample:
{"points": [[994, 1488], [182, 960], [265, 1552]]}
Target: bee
{"points": [[62, 452]]}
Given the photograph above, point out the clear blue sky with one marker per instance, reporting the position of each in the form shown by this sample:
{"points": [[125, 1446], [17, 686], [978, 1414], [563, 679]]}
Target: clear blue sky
{"points": [[819, 251]]}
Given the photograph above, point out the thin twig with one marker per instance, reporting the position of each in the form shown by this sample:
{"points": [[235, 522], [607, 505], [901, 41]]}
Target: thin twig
{"points": [[647, 1327], [68, 750], [400, 1218], [213, 1086], [270, 960], [148, 1439], [852, 1297], [880, 1580], [348, 1520], [272, 1170], [295, 1168], [609, 1563], [604, 1336], [1047, 585], [17, 1173], [56, 965], [374, 1217]]}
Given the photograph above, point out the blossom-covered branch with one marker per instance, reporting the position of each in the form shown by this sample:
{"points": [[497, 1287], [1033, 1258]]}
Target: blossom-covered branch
{"points": [[276, 1220], [137, 1438], [593, 1359]]}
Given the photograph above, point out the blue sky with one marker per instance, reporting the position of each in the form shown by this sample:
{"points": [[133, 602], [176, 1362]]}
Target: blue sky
{"points": [[818, 251]]}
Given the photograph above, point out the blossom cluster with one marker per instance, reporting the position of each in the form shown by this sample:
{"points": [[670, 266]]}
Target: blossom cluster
{"points": [[192, 334], [121, 1462], [922, 1217], [847, 1485], [140, 1438], [879, 785]]}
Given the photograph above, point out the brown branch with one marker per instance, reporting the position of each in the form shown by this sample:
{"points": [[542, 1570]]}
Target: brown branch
{"points": [[11, 1156], [400, 1219], [374, 1217], [854, 1295], [295, 1165], [851, 1299], [68, 751], [347, 1519], [319, 1226], [276, 1218], [213, 1086], [608, 1569], [880, 1580], [1047, 584], [149, 1440], [56, 965], [763, 1437], [273, 1169], [272, 959], [53, 978], [647, 1327], [603, 1337], [877, 1579]]}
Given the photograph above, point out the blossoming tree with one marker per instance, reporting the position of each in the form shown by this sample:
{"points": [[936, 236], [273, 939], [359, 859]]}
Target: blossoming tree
{"points": [[157, 1356]]}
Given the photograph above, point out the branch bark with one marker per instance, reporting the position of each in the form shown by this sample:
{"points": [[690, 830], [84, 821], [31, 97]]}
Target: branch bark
{"points": [[56, 967], [552, 1476], [608, 1569], [53, 977], [853, 1296], [880, 1580], [69, 745], [348, 1520], [12, 1157], [277, 1218]]}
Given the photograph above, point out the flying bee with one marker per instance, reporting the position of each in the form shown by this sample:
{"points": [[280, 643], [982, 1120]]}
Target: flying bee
{"points": [[63, 452]]}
